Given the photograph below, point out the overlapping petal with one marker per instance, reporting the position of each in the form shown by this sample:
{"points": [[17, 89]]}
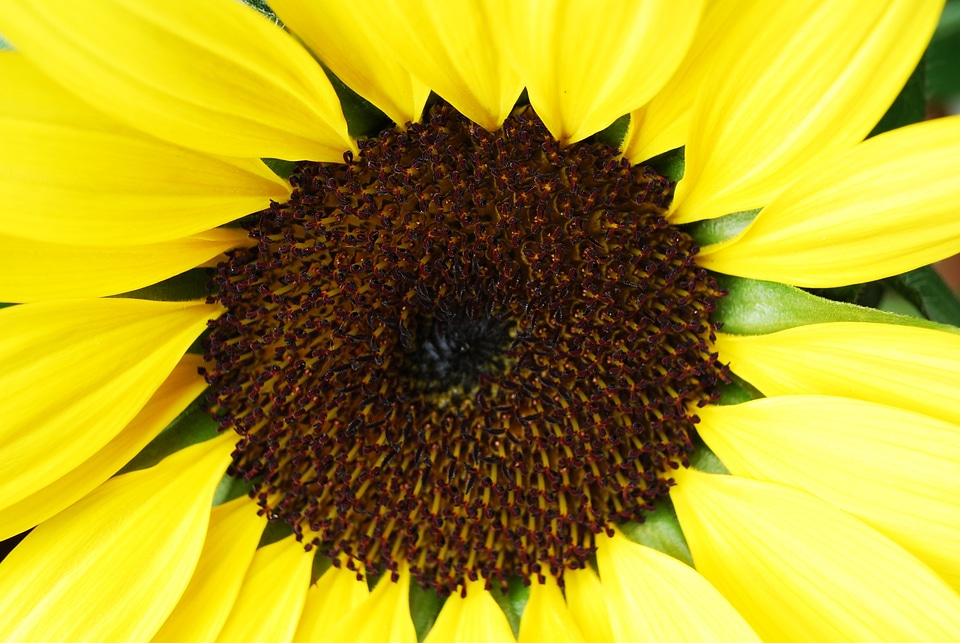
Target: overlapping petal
{"points": [[272, 595], [177, 391], [909, 367], [228, 549], [384, 617], [799, 569], [546, 617], [75, 373], [586, 64], [883, 208], [214, 76], [112, 566], [808, 80], [652, 596], [587, 601], [38, 270], [474, 618], [73, 176], [334, 595], [897, 470]]}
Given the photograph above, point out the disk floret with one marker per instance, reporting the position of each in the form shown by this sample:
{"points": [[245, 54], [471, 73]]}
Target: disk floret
{"points": [[467, 351]]}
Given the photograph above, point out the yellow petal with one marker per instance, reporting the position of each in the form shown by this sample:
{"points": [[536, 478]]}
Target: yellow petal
{"points": [[799, 569], [808, 80], [897, 470], [112, 566], [177, 391], [546, 617], [272, 596], [75, 373], [73, 176], [336, 593], [662, 124], [384, 617], [653, 597], [883, 208], [475, 618], [344, 35], [215, 76], [235, 529], [585, 64], [913, 368], [37, 270], [588, 602]]}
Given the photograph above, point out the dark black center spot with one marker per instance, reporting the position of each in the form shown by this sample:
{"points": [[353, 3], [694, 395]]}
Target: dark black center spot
{"points": [[463, 350]]}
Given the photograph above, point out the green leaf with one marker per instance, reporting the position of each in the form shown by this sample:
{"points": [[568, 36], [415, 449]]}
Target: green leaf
{"points": [[283, 169], [276, 530], [669, 164], [758, 307], [230, 488], [910, 105], [943, 55], [512, 601], [614, 134], [363, 118], [425, 605], [926, 290], [711, 231], [661, 531]]}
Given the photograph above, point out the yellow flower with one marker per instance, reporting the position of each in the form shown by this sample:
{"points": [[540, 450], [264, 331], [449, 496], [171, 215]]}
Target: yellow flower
{"points": [[134, 131]]}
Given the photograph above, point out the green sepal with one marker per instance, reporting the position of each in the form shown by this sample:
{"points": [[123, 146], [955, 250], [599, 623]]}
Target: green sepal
{"points": [[660, 530], [363, 118], [670, 164], [926, 290], [230, 488], [513, 601], [264, 8], [191, 427], [910, 105], [613, 134], [283, 169], [276, 530], [758, 307], [187, 286], [425, 605], [711, 231], [320, 565]]}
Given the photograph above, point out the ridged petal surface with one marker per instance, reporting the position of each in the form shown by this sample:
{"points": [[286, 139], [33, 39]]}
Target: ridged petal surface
{"points": [[232, 537], [799, 569], [112, 566], [474, 619], [588, 603], [653, 597], [75, 373], [913, 368], [334, 594], [384, 617], [180, 388], [897, 470], [883, 208], [808, 80], [546, 617], [585, 64], [215, 76]]}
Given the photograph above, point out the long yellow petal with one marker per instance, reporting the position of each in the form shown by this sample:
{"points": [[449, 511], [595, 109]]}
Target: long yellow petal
{"points": [[913, 368], [546, 617], [177, 391], [272, 595], [475, 618], [663, 123], [334, 595], [235, 529], [214, 76], [384, 617], [809, 81], [799, 569], [585, 64], [112, 566], [75, 373], [344, 35], [73, 176], [36, 270], [587, 601], [897, 470], [653, 597], [883, 208]]}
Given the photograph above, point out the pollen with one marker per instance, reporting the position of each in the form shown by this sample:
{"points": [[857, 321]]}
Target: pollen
{"points": [[466, 351]]}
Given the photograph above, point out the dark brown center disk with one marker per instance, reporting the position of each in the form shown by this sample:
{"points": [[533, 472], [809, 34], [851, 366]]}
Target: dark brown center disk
{"points": [[463, 350]]}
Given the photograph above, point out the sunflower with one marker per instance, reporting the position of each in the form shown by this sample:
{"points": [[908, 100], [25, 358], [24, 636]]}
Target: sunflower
{"points": [[466, 373]]}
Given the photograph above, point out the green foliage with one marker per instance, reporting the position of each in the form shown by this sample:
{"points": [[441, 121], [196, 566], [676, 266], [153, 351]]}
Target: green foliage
{"points": [[661, 531]]}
